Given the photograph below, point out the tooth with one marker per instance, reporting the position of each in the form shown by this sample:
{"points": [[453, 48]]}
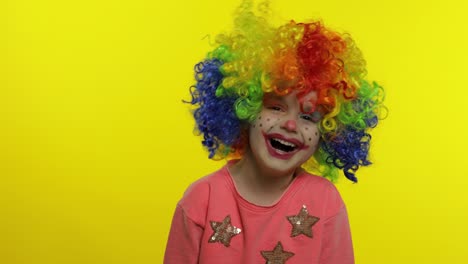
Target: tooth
{"points": [[285, 142]]}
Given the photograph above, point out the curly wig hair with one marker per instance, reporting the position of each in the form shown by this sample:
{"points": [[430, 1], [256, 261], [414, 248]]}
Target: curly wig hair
{"points": [[257, 58]]}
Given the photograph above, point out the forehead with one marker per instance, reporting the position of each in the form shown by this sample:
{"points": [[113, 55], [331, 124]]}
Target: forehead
{"points": [[306, 102], [301, 98]]}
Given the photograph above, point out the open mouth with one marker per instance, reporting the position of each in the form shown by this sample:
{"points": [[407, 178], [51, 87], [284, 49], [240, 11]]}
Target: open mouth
{"points": [[282, 145]]}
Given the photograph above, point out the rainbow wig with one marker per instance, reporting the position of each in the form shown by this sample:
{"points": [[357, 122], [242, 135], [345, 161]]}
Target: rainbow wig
{"points": [[257, 58]]}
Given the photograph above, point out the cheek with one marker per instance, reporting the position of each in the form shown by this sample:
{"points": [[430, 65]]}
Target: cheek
{"points": [[311, 134], [265, 122]]}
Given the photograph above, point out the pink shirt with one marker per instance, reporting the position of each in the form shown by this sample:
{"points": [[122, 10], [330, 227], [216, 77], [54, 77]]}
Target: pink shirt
{"points": [[214, 224]]}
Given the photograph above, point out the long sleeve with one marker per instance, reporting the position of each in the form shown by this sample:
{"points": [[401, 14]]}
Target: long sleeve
{"points": [[337, 247], [183, 245]]}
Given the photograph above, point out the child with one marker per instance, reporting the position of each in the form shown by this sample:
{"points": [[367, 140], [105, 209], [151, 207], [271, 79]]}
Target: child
{"points": [[274, 100]]}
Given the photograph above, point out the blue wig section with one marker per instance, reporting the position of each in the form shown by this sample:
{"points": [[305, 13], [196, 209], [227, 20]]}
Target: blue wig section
{"points": [[348, 150], [215, 116]]}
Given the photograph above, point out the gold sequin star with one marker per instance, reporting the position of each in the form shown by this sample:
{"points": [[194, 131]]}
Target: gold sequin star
{"points": [[277, 256], [223, 231], [302, 223]]}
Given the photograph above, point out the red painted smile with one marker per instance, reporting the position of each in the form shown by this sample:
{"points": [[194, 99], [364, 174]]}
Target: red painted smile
{"points": [[282, 147]]}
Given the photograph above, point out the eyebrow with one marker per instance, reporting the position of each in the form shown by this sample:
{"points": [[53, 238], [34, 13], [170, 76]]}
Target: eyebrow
{"points": [[273, 96]]}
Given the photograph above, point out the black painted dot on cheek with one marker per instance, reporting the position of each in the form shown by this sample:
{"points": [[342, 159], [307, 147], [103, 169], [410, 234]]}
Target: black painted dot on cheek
{"points": [[316, 133], [260, 125], [310, 139]]}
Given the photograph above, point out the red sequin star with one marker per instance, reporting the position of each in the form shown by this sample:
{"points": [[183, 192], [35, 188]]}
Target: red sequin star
{"points": [[302, 223], [223, 231], [277, 256]]}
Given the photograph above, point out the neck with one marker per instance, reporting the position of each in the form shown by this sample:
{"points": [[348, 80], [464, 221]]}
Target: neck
{"points": [[259, 185]]}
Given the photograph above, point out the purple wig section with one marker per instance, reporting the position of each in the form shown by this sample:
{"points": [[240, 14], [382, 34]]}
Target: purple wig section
{"points": [[348, 150], [215, 116]]}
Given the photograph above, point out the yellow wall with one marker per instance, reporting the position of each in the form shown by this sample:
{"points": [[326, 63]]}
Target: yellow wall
{"points": [[96, 147]]}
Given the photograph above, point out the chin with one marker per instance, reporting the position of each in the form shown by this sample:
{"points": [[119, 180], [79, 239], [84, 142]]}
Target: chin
{"points": [[279, 167]]}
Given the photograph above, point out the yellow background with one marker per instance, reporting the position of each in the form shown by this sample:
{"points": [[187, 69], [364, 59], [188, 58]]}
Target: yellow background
{"points": [[96, 147]]}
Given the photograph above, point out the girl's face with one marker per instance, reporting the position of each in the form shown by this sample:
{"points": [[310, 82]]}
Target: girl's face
{"points": [[285, 134]]}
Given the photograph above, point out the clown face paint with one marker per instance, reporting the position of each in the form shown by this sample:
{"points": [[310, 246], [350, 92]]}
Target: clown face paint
{"points": [[283, 137]]}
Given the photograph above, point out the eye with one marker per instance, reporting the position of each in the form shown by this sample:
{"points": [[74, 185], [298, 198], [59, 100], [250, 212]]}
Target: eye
{"points": [[275, 108], [314, 117]]}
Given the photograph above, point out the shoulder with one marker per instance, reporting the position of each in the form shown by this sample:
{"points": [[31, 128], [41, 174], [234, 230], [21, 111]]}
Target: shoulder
{"points": [[324, 191], [202, 186], [196, 198], [318, 183]]}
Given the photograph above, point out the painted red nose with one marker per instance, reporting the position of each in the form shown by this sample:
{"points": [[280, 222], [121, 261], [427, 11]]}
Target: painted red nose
{"points": [[290, 125]]}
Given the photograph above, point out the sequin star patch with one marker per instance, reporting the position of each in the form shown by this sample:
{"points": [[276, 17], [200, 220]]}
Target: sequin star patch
{"points": [[223, 231], [277, 256], [302, 223]]}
